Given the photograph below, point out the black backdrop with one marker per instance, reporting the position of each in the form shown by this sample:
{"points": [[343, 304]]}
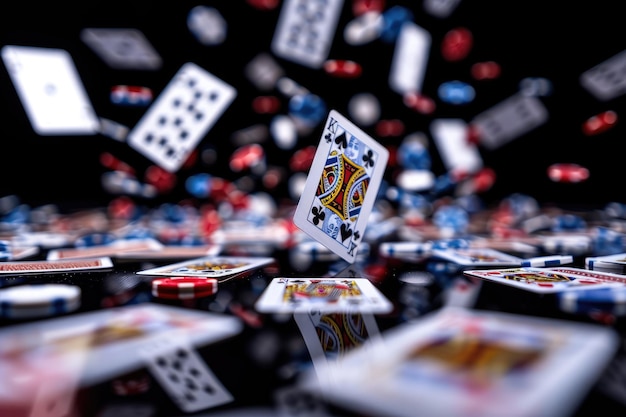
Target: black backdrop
{"points": [[527, 38]]}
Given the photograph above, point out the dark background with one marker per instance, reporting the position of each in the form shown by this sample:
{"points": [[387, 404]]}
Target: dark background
{"points": [[527, 38]]}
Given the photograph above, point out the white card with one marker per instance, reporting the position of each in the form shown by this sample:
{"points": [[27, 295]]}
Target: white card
{"points": [[122, 48], [51, 90], [326, 295], [457, 153], [461, 362], [341, 187], [209, 266], [180, 117], [410, 59], [183, 374], [305, 30], [509, 119], [606, 80]]}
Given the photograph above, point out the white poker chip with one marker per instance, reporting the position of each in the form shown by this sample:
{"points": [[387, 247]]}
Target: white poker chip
{"points": [[39, 300]]}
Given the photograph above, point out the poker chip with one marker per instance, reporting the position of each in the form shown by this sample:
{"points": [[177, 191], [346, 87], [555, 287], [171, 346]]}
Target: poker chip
{"points": [[547, 261], [401, 249], [606, 300], [134, 383], [182, 288], [39, 300]]}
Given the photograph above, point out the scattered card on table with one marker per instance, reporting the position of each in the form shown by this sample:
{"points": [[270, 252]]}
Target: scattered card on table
{"points": [[462, 362], [209, 266], [550, 280], [23, 267], [326, 295], [477, 257], [341, 187]]}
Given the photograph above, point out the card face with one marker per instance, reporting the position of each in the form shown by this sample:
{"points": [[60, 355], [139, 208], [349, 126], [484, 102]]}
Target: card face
{"points": [[477, 257], [341, 187], [209, 266], [509, 119], [180, 116], [326, 295], [108, 342], [305, 30], [122, 48], [550, 280], [184, 375], [25, 267], [51, 90], [332, 335], [605, 80], [461, 362]]}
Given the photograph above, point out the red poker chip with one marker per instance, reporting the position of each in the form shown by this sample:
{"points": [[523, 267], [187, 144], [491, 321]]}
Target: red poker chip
{"points": [[184, 287]]}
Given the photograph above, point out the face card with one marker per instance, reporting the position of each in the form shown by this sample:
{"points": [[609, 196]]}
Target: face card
{"points": [[305, 30], [51, 90], [326, 295], [462, 362], [341, 187], [209, 266], [477, 257], [550, 280], [509, 119], [331, 335], [122, 48], [605, 80], [180, 117], [25, 267]]}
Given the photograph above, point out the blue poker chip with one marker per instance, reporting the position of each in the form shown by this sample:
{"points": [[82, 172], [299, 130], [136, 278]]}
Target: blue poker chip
{"points": [[606, 300], [547, 261], [39, 300]]}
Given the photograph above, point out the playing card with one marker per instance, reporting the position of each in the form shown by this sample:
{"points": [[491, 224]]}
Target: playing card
{"points": [[509, 119], [24, 267], [324, 295], [457, 153], [341, 186], [171, 252], [477, 257], [616, 261], [51, 90], [305, 30], [330, 335], [410, 59], [181, 115], [462, 362], [184, 375], [550, 280], [605, 80], [122, 48], [209, 266], [109, 250]]}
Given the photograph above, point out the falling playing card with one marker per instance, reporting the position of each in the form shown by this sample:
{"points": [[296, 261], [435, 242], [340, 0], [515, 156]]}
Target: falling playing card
{"points": [[341, 186]]}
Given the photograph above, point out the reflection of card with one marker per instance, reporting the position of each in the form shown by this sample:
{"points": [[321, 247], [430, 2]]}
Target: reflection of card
{"points": [[305, 30], [326, 295], [332, 335], [550, 280], [341, 187], [23, 267], [477, 257], [461, 362], [51, 91], [209, 266], [180, 117]]}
